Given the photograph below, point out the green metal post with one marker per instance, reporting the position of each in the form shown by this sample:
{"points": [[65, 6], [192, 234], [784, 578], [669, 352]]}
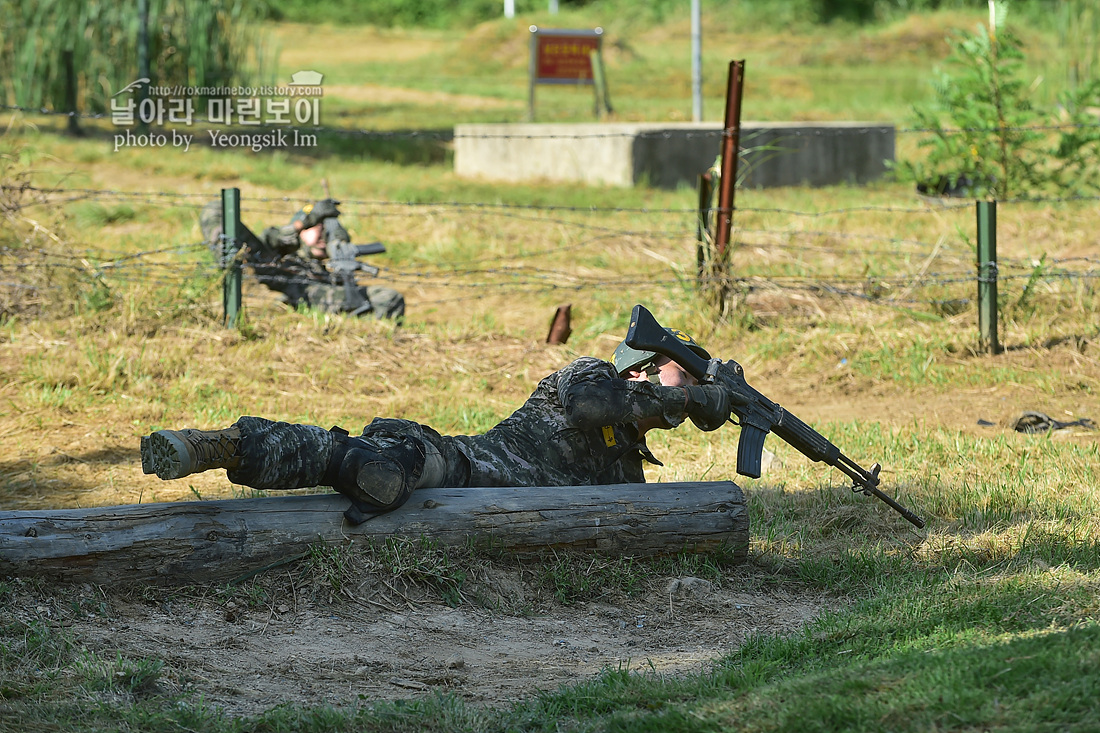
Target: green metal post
{"points": [[231, 286], [599, 81], [68, 68], [987, 275]]}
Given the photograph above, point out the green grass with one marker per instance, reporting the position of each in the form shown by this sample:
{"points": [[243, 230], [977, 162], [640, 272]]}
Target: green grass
{"points": [[961, 687], [98, 215]]}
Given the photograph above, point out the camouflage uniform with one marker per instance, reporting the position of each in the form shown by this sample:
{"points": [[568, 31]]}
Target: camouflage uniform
{"points": [[385, 302], [579, 427], [289, 268]]}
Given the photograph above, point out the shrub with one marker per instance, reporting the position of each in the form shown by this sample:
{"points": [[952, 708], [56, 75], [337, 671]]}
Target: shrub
{"points": [[988, 139]]}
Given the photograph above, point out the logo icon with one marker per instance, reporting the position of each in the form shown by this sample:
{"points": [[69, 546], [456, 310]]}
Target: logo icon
{"points": [[131, 86], [306, 78]]}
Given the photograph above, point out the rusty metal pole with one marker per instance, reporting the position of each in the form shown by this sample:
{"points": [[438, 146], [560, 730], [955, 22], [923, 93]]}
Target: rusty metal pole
{"points": [[560, 327], [731, 136]]}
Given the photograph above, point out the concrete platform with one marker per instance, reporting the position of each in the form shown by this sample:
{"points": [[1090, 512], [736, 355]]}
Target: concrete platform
{"points": [[666, 155]]}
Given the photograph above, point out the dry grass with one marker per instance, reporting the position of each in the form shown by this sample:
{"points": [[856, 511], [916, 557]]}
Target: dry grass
{"points": [[483, 281], [299, 45], [482, 285]]}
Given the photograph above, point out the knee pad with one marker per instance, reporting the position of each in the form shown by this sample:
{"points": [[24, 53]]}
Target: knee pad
{"points": [[378, 474]]}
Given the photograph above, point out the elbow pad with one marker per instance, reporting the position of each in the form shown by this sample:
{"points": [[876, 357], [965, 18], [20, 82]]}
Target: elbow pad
{"points": [[708, 406], [282, 240]]}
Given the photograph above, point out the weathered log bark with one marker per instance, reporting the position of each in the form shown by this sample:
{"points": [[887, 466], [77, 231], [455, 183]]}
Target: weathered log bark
{"points": [[201, 541]]}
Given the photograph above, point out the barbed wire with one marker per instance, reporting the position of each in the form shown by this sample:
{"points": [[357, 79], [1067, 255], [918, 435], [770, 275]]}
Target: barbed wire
{"points": [[838, 288], [94, 261], [879, 291], [601, 232], [115, 266], [445, 275], [606, 234], [503, 208]]}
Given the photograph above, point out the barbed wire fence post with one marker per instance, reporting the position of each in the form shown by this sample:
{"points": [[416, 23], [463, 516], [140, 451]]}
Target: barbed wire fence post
{"points": [[230, 246], [987, 276], [714, 267], [960, 261]]}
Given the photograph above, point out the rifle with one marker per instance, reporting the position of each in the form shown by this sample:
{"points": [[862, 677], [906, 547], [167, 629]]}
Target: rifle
{"points": [[757, 414], [344, 263]]}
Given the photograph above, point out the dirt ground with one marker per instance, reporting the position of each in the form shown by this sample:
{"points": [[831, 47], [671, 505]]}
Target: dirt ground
{"points": [[381, 640], [299, 641]]}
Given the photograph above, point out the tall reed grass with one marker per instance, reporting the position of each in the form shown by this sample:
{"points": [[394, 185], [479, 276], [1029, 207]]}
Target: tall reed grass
{"points": [[1079, 31], [191, 43]]}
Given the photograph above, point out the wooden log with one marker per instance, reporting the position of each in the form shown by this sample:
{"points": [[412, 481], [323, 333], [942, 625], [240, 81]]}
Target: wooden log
{"points": [[202, 541]]}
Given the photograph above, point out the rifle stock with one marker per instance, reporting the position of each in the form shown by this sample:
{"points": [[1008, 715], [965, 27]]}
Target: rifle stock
{"points": [[646, 334], [757, 414]]}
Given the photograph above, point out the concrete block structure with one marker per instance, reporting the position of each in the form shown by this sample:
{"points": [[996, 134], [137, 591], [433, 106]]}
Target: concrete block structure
{"points": [[670, 154]]}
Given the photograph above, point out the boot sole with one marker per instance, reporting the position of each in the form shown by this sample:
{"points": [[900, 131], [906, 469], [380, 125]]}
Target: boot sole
{"points": [[166, 455]]}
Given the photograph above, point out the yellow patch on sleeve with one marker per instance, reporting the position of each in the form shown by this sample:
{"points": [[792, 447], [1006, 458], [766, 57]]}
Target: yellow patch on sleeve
{"points": [[608, 435]]}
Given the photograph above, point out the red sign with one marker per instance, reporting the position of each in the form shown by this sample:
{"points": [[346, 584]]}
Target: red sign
{"points": [[565, 57]]}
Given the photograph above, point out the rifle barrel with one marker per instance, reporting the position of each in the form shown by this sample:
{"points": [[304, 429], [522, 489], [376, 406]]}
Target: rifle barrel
{"points": [[374, 248]]}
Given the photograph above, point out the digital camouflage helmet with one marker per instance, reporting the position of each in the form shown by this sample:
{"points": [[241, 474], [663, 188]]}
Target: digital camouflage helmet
{"points": [[625, 358]]}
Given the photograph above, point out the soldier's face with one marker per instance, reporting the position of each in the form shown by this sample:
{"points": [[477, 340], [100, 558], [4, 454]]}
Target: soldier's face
{"points": [[313, 239], [668, 372]]}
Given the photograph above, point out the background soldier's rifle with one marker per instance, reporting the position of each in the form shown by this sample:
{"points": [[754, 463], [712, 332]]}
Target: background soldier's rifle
{"points": [[757, 414], [343, 263]]}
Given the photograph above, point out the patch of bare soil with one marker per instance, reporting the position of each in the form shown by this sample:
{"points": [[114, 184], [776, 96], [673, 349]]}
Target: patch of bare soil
{"points": [[302, 643], [397, 95]]}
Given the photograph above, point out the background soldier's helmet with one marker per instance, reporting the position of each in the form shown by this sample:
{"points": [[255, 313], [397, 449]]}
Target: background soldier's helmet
{"points": [[300, 215], [626, 358]]}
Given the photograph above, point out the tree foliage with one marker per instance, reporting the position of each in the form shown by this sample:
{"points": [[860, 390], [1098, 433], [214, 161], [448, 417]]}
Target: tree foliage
{"points": [[986, 136]]}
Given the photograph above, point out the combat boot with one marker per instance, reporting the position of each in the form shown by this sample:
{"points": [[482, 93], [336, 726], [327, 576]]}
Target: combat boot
{"points": [[177, 453]]}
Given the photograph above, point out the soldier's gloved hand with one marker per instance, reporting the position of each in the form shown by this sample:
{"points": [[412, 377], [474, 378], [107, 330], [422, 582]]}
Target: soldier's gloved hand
{"points": [[281, 240], [286, 241], [318, 212], [708, 406]]}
